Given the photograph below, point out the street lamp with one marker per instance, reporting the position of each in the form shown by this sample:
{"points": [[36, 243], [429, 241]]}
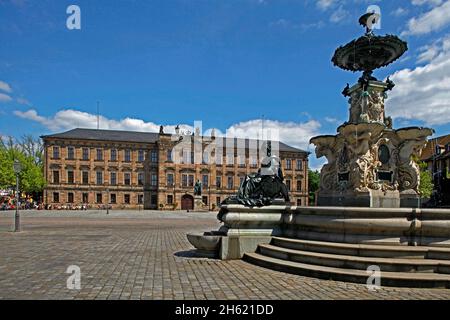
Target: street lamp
{"points": [[108, 201], [17, 166]]}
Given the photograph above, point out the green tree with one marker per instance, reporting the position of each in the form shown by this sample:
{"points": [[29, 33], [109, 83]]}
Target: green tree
{"points": [[313, 184], [29, 153], [426, 181]]}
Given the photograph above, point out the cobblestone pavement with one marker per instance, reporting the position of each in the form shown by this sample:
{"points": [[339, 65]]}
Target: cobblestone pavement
{"points": [[145, 255]]}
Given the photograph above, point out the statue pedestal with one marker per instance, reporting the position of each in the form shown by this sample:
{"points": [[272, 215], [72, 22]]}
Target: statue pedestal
{"points": [[199, 205], [409, 199], [370, 199]]}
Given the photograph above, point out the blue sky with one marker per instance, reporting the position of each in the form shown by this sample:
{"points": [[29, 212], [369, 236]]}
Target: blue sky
{"points": [[224, 62]]}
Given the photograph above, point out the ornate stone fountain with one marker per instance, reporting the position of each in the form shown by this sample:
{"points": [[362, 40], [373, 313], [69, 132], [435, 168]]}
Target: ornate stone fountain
{"points": [[370, 164]]}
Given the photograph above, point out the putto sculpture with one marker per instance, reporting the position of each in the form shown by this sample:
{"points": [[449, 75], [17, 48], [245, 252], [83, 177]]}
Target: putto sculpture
{"points": [[370, 163], [264, 187]]}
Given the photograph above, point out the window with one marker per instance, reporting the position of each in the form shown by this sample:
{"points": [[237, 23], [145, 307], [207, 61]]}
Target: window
{"points": [[288, 164], [70, 197], [113, 154], [113, 178], [299, 202], [127, 157], [99, 155], [154, 199], [141, 155], [191, 180], [170, 181], [192, 157], [218, 182], [230, 182], [140, 178], [241, 161], [99, 176], [169, 155], [288, 184], [230, 159], [70, 153], [219, 159], [169, 199], [154, 156], [99, 198], [205, 180], [127, 178], [205, 200], [126, 198], [140, 198], [241, 179], [55, 152], [184, 180], [154, 180], [253, 162], [70, 176], [299, 164], [55, 176], [55, 197], [85, 154], [85, 197], [186, 157], [113, 198], [299, 185], [218, 201]]}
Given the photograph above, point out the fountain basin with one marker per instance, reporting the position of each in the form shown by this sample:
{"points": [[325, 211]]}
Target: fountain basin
{"points": [[207, 244]]}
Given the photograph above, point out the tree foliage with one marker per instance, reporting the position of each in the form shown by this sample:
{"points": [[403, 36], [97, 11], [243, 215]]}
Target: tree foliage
{"points": [[426, 181], [28, 151], [313, 184]]}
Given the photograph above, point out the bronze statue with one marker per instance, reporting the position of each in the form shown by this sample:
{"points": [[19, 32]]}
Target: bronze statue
{"points": [[262, 188], [198, 188]]}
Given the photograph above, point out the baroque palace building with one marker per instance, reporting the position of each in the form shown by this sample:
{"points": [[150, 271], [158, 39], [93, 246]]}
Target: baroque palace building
{"points": [[147, 170]]}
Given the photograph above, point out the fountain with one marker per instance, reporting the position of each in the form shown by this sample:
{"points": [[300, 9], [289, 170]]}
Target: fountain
{"points": [[370, 163], [369, 211]]}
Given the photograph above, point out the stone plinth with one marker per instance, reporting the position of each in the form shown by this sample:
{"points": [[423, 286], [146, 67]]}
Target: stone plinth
{"points": [[199, 205], [245, 228]]}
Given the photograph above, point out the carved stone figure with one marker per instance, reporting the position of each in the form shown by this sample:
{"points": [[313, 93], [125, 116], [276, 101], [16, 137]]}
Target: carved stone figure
{"points": [[326, 147], [414, 140]]}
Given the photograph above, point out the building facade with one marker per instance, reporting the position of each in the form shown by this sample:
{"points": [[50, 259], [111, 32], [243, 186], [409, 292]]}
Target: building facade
{"points": [[436, 155], [133, 170]]}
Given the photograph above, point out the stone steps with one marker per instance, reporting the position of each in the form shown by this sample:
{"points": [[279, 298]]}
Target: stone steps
{"points": [[410, 266], [397, 279], [365, 250], [355, 262]]}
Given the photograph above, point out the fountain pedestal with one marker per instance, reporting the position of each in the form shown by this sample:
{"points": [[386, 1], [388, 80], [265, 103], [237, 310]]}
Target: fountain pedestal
{"points": [[369, 163]]}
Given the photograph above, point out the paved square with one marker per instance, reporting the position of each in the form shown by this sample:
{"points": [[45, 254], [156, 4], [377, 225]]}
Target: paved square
{"points": [[145, 255]]}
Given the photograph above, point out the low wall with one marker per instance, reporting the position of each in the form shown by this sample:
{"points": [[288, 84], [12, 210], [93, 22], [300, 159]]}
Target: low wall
{"points": [[246, 227]]}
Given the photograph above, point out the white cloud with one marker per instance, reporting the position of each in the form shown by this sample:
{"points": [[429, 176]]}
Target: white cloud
{"points": [[292, 133], [5, 98], [325, 4], [332, 120], [5, 87], [433, 20], [399, 12], [429, 2], [424, 92], [339, 15]]}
